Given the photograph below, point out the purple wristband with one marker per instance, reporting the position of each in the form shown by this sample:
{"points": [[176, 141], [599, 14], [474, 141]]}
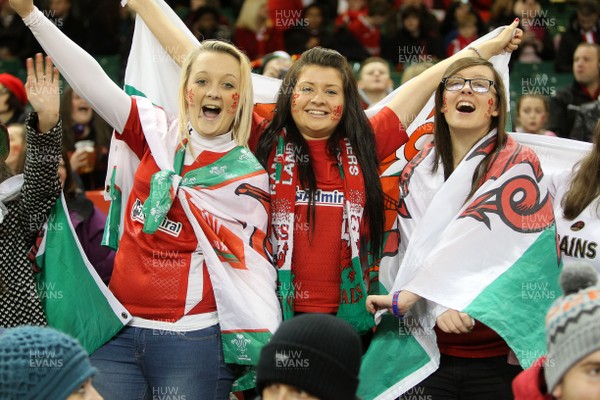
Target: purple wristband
{"points": [[395, 305]]}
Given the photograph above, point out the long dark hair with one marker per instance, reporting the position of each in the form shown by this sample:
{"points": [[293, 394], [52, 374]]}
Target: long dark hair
{"points": [[585, 185], [101, 129], [442, 139], [353, 125]]}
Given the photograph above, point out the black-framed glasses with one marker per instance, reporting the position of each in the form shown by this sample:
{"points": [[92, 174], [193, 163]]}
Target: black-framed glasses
{"points": [[478, 85]]}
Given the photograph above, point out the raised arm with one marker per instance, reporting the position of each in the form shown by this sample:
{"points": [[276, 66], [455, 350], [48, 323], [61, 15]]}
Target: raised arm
{"points": [[175, 42], [414, 94], [80, 69]]}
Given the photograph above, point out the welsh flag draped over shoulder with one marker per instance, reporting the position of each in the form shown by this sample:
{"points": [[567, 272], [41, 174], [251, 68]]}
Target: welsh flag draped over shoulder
{"points": [[75, 299], [226, 202], [454, 261]]}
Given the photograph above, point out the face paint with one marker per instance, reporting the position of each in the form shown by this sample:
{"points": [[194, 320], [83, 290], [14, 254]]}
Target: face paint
{"points": [[445, 105], [190, 97], [294, 97], [337, 113], [488, 113], [236, 98]]}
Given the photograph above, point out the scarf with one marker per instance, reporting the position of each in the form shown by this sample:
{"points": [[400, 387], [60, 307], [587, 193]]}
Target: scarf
{"points": [[353, 287]]}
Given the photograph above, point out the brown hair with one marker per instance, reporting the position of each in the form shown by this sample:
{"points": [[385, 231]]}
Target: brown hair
{"points": [[585, 185], [442, 139]]}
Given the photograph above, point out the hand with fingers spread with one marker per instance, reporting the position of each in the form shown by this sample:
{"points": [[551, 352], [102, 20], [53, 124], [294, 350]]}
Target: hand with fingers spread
{"points": [[43, 91], [452, 321]]}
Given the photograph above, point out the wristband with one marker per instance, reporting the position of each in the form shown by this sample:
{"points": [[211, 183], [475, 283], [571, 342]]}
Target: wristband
{"points": [[395, 305], [476, 50]]}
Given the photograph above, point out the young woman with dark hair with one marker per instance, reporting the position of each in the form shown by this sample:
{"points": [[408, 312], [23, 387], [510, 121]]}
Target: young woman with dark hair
{"points": [[322, 155]]}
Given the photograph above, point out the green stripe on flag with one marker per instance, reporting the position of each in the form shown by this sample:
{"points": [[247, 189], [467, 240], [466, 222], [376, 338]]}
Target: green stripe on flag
{"points": [[75, 302], [525, 292], [393, 355], [132, 91], [221, 171]]}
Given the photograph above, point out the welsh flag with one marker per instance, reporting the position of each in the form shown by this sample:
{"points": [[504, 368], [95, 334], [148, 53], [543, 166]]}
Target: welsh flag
{"points": [[75, 299]]}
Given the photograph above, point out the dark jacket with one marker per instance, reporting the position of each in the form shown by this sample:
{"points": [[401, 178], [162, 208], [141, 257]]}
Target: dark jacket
{"points": [[563, 108], [585, 121], [569, 41], [19, 303]]}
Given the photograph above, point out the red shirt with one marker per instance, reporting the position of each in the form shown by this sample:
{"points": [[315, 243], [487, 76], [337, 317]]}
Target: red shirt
{"points": [[481, 342], [316, 254], [152, 271]]}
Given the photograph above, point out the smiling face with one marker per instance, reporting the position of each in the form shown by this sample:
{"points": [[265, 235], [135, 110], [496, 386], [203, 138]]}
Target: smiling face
{"points": [[582, 381], [318, 101], [469, 112], [532, 114], [81, 111], [212, 93], [375, 76]]}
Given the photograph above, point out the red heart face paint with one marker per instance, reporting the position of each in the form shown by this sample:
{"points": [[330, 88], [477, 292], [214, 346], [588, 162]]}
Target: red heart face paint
{"points": [[488, 113], [190, 98], [236, 99], [445, 105], [337, 113], [294, 102]]}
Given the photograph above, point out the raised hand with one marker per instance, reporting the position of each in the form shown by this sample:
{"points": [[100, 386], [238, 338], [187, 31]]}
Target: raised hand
{"points": [[508, 41], [43, 91], [22, 7]]}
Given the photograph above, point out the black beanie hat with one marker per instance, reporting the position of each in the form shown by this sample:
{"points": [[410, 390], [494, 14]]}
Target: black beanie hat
{"points": [[317, 353]]}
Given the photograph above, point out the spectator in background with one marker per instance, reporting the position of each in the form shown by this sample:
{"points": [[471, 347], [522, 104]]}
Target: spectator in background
{"points": [[59, 12], [18, 147], [81, 123], [429, 22], [502, 13], [366, 28], [411, 44], [537, 42], [532, 114], [374, 82], [413, 70], [254, 31], [88, 222], [310, 31], [457, 10], [354, 8], [206, 24], [467, 34], [101, 21], [13, 99], [16, 42], [585, 88], [584, 27], [586, 120], [276, 64]]}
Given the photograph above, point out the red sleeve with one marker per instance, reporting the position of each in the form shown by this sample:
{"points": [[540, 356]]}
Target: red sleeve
{"points": [[133, 134], [389, 132], [258, 126]]}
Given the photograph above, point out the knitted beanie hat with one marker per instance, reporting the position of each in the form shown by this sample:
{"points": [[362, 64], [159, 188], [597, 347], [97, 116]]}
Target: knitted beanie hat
{"points": [[15, 86], [317, 353], [573, 322], [41, 363]]}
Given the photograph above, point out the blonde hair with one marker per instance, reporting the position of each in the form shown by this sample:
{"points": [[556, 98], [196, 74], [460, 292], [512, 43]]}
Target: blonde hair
{"points": [[248, 17], [242, 123]]}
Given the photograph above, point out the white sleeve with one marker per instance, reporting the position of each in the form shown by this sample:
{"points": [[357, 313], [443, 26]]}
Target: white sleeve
{"points": [[82, 71]]}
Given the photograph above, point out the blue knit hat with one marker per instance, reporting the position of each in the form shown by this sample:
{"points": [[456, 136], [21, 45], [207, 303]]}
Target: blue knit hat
{"points": [[41, 363]]}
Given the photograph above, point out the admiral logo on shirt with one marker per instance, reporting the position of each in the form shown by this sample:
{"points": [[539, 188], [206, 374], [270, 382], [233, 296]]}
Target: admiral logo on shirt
{"points": [[333, 198], [167, 226], [577, 226]]}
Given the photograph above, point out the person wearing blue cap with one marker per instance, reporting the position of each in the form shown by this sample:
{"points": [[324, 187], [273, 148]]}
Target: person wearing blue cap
{"points": [[43, 363]]}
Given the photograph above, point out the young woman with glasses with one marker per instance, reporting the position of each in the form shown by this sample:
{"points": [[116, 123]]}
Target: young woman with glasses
{"points": [[471, 200]]}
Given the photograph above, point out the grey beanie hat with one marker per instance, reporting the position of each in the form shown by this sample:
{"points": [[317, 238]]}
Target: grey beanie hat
{"points": [[572, 322]]}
